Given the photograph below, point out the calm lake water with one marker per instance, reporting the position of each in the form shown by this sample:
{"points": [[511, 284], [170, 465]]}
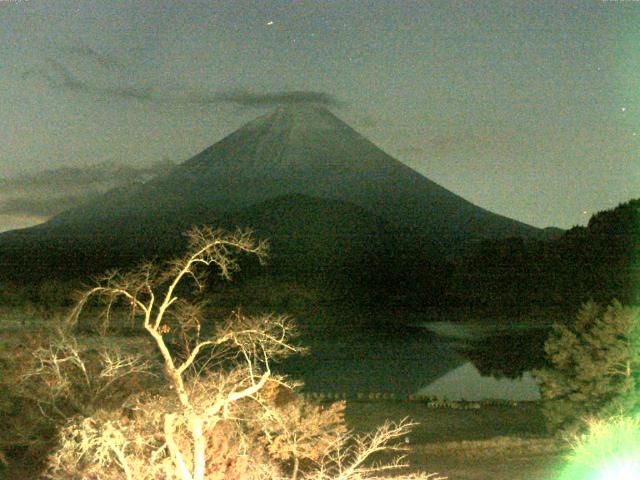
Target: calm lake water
{"points": [[447, 361]]}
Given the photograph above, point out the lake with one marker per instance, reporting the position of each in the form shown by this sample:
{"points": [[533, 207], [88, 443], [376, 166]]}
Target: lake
{"points": [[451, 361]]}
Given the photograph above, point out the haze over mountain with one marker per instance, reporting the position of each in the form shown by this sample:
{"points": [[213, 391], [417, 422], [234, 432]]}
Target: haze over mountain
{"points": [[298, 158], [34, 198]]}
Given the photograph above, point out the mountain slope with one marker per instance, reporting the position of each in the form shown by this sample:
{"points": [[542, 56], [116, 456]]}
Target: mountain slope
{"points": [[307, 150], [298, 154], [310, 236]]}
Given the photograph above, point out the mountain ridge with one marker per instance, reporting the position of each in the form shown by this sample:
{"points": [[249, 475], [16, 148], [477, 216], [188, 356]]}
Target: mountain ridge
{"points": [[308, 150], [297, 150]]}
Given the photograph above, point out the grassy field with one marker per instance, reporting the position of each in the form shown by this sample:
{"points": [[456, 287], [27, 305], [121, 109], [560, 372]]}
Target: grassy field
{"points": [[494, 442]]}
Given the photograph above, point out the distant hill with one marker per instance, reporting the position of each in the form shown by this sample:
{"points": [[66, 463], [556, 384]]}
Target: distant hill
{"points": [[327, 240], [314, 234], [600, 261], [299, 175]]}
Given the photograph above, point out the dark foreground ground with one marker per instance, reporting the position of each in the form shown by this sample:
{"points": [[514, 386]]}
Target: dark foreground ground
{"points": [[494, 442]]}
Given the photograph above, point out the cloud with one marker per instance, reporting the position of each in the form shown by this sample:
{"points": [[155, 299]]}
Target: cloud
{"points": [[84, 51], [13, 222], [47, 193], [81, 177], [59, 76], [41, 207], [56, 75], [246, 98], [84, 70]]}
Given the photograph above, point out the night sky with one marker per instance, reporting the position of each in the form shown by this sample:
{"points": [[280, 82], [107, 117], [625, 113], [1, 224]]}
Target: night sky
{"points": [[528, 109]]}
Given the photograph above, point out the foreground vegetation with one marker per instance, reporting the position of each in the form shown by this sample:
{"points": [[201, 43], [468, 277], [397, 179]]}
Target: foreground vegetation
{"points": [[593, 367], [135, 383], [505, 441], [207, 406]]}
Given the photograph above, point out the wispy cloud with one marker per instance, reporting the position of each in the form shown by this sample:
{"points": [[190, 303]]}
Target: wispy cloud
{"points": [[13, 222], [42, 207], [47, 193], [84, 70], [246, 98], [56, 75], [87, 52], [60, 76]]}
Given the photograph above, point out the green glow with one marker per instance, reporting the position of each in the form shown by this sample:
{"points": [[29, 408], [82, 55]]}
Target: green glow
{"points": [[620, 470], [609, 451]]}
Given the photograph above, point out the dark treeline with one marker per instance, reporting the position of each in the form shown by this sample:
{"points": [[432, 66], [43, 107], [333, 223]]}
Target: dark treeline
{"points": [[598, 262], [369, 262]]}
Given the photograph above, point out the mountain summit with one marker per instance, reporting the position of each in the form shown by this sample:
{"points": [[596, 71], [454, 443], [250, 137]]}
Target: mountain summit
{"points": [[294, 152], [305, 149]]}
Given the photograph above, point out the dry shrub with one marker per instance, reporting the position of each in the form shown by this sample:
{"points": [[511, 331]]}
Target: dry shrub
{"points": [[266, 436], [297, 431], [27, 425], [22, 425]]}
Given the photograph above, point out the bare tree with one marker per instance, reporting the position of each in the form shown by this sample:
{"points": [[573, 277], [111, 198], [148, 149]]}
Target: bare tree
{"points": [[79, 381], [224, 415]]}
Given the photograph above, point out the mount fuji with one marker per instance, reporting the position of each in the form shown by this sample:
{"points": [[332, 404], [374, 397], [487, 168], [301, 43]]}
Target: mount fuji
{"points": [[297, 174]]}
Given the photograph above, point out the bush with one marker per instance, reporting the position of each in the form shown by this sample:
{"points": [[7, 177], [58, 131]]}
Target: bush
{"points": [[593, 366]]}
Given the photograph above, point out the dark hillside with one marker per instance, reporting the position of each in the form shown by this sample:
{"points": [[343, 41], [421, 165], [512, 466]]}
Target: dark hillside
{"points": [[600, 262]]}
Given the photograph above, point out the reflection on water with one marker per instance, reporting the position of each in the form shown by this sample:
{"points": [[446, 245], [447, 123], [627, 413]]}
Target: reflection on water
{"points": [[354, 363], [467, 383], [499, 366], [466, 366], [507, 355]]}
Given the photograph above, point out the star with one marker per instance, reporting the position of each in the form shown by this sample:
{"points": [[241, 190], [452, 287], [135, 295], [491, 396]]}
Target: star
{"points": [[624, 109]]}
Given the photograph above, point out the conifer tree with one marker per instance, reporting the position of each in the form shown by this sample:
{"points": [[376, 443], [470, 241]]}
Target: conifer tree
{"points": [[593, 366]]}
